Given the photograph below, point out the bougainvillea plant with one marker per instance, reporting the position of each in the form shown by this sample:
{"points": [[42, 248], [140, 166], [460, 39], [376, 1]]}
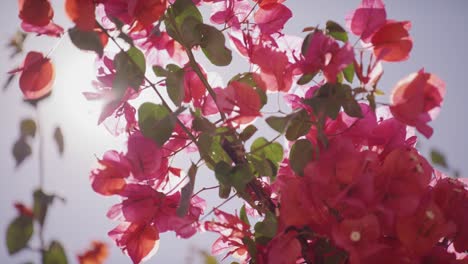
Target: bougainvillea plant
{"points": [[348, 184]]}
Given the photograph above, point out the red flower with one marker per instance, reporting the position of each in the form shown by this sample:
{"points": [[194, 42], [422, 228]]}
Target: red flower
{"points": [[37, 17], [110, 179], [146, 12], [97, 254], [194, 89], [403, 179], [140, 242], [301, 207], [82, 13], [357, 236], [24, 210], [37, 76], [36, 12], [421, 231], [284, 249], [448, 195], [417, 99], [392, 41]]}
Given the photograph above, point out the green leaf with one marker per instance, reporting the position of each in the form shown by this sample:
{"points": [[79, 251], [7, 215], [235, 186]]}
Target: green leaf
{"points": [[159, 71], [28, 128], [55, 254], [299, 125], [175, 83], [21, 150], [306, 78], [224, 191], [156, 122], [19, 233], [329, 99], [264, 167], [86, 40], [130, 69], [301, 154], [213, 45], [336, 31], [222, 172], [278, 123], [41, 205], [348, 73], [248, 132], [190, 33], [263, 149], [438, 158], [266, 229], [352, 108], [177, 13], [243, 215], [371, 98], [58, 137], [306, 43], [240, 176], [201, 124], [187, 192]]}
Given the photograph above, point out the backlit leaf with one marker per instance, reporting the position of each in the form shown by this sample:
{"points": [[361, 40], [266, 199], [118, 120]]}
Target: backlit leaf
{"points": [[213, 45], [58, 137], [130, 69], [301, 153], [263, 149], [336, 31], [248, 132], [55, 254], [299, 125], [41, 205], [156, 122], [266, 229], [86, 40], [187, 192], [438, 158], [28, 127], [21, 150], [18, 233]]}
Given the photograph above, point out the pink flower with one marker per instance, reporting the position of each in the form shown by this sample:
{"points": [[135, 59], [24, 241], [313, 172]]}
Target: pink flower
{"points": [[232, 230], [367, 19], [272, 20], [324, 53], [146, 158]]}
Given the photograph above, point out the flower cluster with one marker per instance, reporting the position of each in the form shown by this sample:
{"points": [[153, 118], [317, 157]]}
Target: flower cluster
{"points": [[350, 187]]}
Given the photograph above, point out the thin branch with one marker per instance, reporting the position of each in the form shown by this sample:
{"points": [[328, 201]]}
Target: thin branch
{"points": [[217, 207], [205, 189]]}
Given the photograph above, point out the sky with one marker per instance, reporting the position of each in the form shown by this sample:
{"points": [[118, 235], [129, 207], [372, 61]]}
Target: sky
{"points": [[440, 39]]}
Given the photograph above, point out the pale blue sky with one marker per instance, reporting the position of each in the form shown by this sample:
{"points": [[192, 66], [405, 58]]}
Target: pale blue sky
{"points": [[440, 37]]}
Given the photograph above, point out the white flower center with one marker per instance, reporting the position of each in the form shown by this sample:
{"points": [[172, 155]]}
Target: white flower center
{"points": [[355, 236], [430, 214]]}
